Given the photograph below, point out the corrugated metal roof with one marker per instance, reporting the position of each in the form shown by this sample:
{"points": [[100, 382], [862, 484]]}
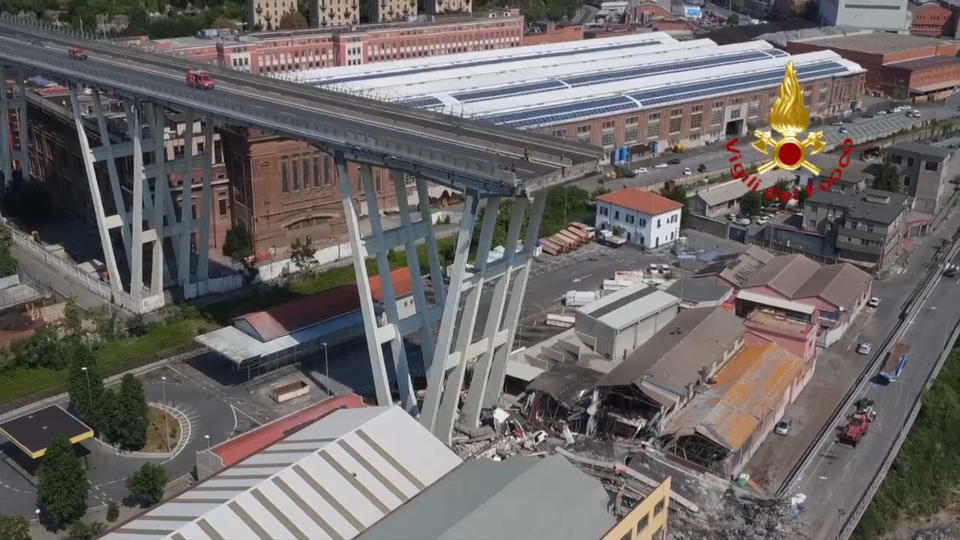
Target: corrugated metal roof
{"points": [[332, 479], [840, 284], [521, 497], [302, 312], [773, 301], [748, 387], [629, 305], [734, 189], [784, 274]]}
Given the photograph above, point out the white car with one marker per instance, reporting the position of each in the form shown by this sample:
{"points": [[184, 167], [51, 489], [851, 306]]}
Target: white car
{"points": [[915, 114], [762, 220], [660, 166], [732, 217], [743, 221], [881, 113], [896, 109], [687, 171], [641, 170], [864, 348], [874, 302]]}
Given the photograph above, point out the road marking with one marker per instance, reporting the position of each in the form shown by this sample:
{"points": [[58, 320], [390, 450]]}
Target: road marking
{"points": [[235, 421]]}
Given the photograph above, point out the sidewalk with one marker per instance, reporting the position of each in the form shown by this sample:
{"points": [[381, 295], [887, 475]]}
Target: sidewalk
{"points": [[31, 265]]}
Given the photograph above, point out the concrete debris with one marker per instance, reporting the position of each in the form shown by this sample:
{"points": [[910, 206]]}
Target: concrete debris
{"points": [[738, 518], [937, 533]]}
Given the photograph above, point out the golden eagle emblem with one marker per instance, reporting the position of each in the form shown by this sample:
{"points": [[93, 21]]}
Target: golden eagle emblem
{"points": [[789, 118]]}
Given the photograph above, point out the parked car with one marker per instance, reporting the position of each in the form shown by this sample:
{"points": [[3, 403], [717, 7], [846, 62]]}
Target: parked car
{"points": [[783, 426], [673, 161], [640, 170], [951, 270], [761, 220], [702, 168], [881, 113], [915, 114], [664, 268], [842, 130], [873, 302], [732, 217], [687, 171], [864, 348], [660, 166], [743, 221]]}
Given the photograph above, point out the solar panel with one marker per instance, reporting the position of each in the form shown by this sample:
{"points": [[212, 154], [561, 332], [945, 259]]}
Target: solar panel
{"points": [[422, 102], [607, 76], [684, 92], [367, 76]]}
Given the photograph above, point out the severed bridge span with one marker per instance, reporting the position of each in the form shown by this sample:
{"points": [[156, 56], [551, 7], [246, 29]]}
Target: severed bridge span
{"points": [[489, 164]]}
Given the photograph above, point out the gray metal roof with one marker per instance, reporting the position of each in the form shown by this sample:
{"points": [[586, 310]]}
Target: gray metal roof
{"points": [[522, 497], [734, 189], [332, 479], [840, 284], [628, 306], [925, 150], [698, 290], [867, 205], [673, 356], [784, 274]]}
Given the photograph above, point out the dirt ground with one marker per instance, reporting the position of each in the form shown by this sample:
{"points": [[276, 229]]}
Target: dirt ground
{"points": [[945, 525]]}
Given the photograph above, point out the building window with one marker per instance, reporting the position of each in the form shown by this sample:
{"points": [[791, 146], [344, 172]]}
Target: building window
{"points": [[284, 176], [906, 180], [676, 120], [296, 175], [326, 170], [306, 172], [222, 206], [754, 110], [735, 113], [716, 116], [930, 166], [896, 159], [630, 131], [559, 133], [653, 125], [630, 218], [616, 214], [658, 508], [316, 171], [909, 162], [607, 137], [696, 118], [583, 133]]}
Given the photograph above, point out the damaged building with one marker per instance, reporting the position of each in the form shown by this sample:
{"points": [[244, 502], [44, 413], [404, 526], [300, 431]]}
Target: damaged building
{"points": [[560, 398], [730, 416], [660, 377]]}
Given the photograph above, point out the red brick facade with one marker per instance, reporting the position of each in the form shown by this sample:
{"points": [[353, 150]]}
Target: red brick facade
{"points": [[555, 34], [303, 50], [932, 20]]}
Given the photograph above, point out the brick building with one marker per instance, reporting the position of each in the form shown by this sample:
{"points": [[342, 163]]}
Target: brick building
{"points": [[643, 91], [55, 158], [932, 20], [552, 33], [897, 64], [299, 50], [283, 189]]}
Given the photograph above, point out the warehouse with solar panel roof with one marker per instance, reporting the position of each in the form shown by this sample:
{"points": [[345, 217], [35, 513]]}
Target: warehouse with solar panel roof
{"points": [[629, 94]]}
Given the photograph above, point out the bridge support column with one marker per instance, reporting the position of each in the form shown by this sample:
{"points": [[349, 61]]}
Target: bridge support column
{"points": [[6, 153], [206, 209], [24, 125]]}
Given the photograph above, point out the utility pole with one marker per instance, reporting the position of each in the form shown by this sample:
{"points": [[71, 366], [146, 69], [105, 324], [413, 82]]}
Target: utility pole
{"points": [[166, 428], [326, 370]]}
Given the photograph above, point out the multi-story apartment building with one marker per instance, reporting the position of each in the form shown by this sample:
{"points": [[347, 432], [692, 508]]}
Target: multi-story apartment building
{"points": [[385, 11], [266, 14], [868, 226], [301, 50], [925, 173]]}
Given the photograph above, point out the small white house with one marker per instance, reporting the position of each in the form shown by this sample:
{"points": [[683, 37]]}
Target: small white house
{"points": [[647, 219]]}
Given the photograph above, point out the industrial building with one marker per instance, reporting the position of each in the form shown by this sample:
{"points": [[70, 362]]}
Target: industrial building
{"points": [[888, 15], [620, 322], [642, 91], [898, 65], [925, 173], [332, 479]]}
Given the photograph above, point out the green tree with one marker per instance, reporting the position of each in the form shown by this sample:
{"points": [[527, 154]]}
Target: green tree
{"points": [[223, 22], [733, 20], [147, 484], [72, 316], [43, 349], [783, 185], [137, 325], [238, 245], [292, 20], [85, 386], [14, 528], [803, 198], [81, 530], [678, 193], [302, 251], [752, 203], [113, 511], [887, 179], [128, 424], [61, 484]]}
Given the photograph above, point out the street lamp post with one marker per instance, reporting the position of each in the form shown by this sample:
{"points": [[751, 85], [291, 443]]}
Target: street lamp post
{"points": [[86, 375], [163, 393], [326, 368], [209, 462]]}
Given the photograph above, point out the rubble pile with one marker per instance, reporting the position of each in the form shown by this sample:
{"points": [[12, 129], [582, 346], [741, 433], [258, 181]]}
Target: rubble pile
{"points": [[737, 518], [937, 533]]}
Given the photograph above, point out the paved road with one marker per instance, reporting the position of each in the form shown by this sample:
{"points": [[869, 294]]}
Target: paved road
{"points": [[716, 158], [839, 475], [59, 282]]}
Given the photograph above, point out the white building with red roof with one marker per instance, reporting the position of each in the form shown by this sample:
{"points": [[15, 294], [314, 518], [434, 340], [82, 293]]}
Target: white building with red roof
{"points": [[647, 219]]}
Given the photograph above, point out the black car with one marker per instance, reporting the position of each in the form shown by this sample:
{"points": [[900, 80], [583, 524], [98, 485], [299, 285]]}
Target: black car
{"points": [[702, 168], [673, 162]]}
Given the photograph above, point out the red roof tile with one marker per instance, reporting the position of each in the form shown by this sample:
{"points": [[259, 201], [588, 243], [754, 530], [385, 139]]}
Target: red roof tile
{"points": [[244, 446], [303, 312], [402, 284], [641, 201]]}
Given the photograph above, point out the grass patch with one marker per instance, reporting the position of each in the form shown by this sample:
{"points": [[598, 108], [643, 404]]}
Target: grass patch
{"points": [[925, 476], [156, 441], [19, 382]]}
